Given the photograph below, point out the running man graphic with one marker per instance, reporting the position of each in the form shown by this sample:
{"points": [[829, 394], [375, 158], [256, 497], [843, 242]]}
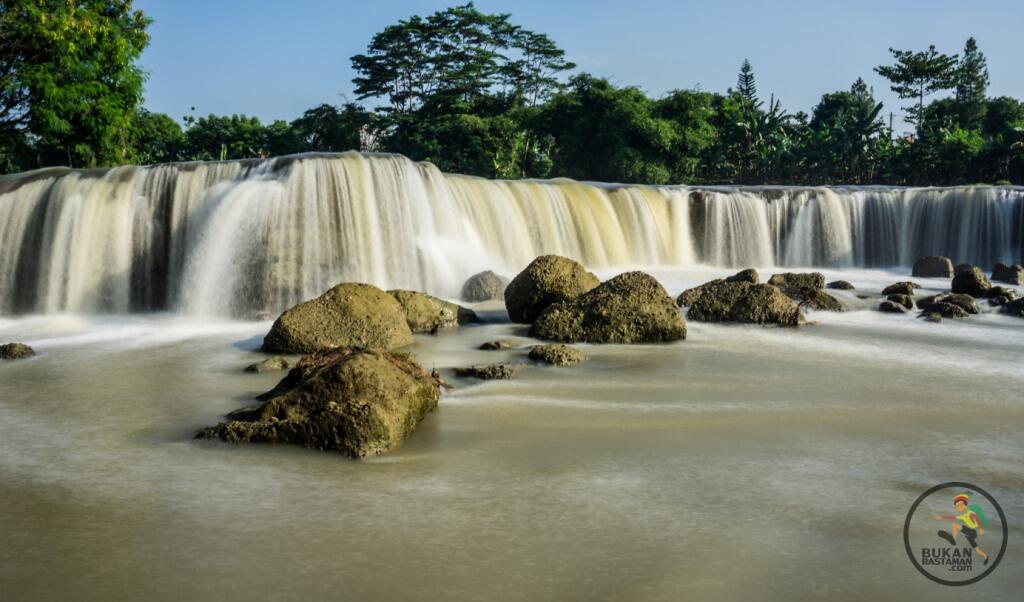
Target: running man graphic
{"points": [[969, 520]]}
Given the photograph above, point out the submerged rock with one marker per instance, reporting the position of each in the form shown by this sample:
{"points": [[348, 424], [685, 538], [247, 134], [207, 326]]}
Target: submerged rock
{"points": [[549, 279], [357, 402], [425, 313], [905, 300], [934, 266], [557, 355], [946, 310], [497, 345], [1010, 274], [15, 351], [488, 372], [349, 314], [1000, 295], [1014, 308], [964, 302], [748, 275], [892, 307], [971, 282], [744, 302], [271, 364], [630, 308], [841, 285], [901, 288], [484, 286]]}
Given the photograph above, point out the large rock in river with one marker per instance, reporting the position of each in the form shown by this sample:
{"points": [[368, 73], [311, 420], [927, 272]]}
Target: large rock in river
{"points": [[349, 314], [1010, 274], [630, 308], [971, 282], [721, 301], [933, 267], [795, 280], [549, 279], [349, 400], [483, 287], [901, 288], [425, 313], [15, 351]]}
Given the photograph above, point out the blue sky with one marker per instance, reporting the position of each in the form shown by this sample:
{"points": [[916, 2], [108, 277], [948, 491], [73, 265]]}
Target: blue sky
{"points": [[274, 59]]}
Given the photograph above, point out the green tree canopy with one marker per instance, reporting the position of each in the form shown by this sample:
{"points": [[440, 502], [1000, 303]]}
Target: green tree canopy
{"points": [[971, 85], [68, 75], [919, 74]]}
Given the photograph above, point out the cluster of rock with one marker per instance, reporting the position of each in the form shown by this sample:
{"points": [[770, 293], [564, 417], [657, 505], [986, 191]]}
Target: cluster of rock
{"points": [[353, 393], [742, 298], [967, 284]]}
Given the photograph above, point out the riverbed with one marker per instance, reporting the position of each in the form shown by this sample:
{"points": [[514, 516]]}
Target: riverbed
{"points": [[741, 463]]}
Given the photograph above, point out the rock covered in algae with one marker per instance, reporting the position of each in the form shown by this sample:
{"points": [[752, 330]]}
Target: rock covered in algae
{"points": [[488, 372], [1010, 274], [353, 401], [971, 282], [425, 313], [934, 266], [743, 302], [15, 351], [807, 289], [349, 314], [549, 279], [484, 286], [557, 355], [630, 308], [271, 364]]}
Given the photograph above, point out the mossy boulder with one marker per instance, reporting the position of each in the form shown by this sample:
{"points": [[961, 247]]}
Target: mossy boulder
{"points": [[796, 280], [1010, 274], [1000, 295], [841, 285], [744, 302], [271, 364], [964, 302], [557, 355], [488, 372], [349, 314], [549, 279], [946, 310], [901, 288], [806, 288], [905, 300], [971, 282], [484, 286], [15, 351], [357, 402], [892, 307], [690, 295], [748, 275], [934, 266], [425, 313], [630, 308]]}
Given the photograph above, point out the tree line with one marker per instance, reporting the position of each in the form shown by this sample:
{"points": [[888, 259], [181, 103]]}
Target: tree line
{"points": [[475, 93]]}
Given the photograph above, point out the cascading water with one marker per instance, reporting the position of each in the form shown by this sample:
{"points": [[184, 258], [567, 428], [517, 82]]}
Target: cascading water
{"points": [[235, 238]]}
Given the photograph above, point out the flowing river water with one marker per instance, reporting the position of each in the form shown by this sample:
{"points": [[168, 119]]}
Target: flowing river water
{"points": [[741, 463]]}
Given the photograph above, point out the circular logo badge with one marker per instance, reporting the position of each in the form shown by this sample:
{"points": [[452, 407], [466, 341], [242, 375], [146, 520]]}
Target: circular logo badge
{"points": [[955, 533]]}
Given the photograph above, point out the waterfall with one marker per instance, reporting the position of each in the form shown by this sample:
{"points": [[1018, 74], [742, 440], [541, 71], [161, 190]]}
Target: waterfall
{"points": [[235, 238]]}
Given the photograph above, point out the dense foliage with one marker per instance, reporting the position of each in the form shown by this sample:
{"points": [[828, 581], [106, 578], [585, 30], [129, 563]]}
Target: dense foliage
{"points": [[475, 93]]}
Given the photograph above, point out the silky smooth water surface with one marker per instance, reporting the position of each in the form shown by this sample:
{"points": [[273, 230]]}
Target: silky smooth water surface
{"points": [[741, 463]]}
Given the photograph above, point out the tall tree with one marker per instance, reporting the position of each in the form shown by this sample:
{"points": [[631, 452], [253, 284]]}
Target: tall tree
{"points": [[745, 85], [919, 74], [68, 75], [971, 85]]}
